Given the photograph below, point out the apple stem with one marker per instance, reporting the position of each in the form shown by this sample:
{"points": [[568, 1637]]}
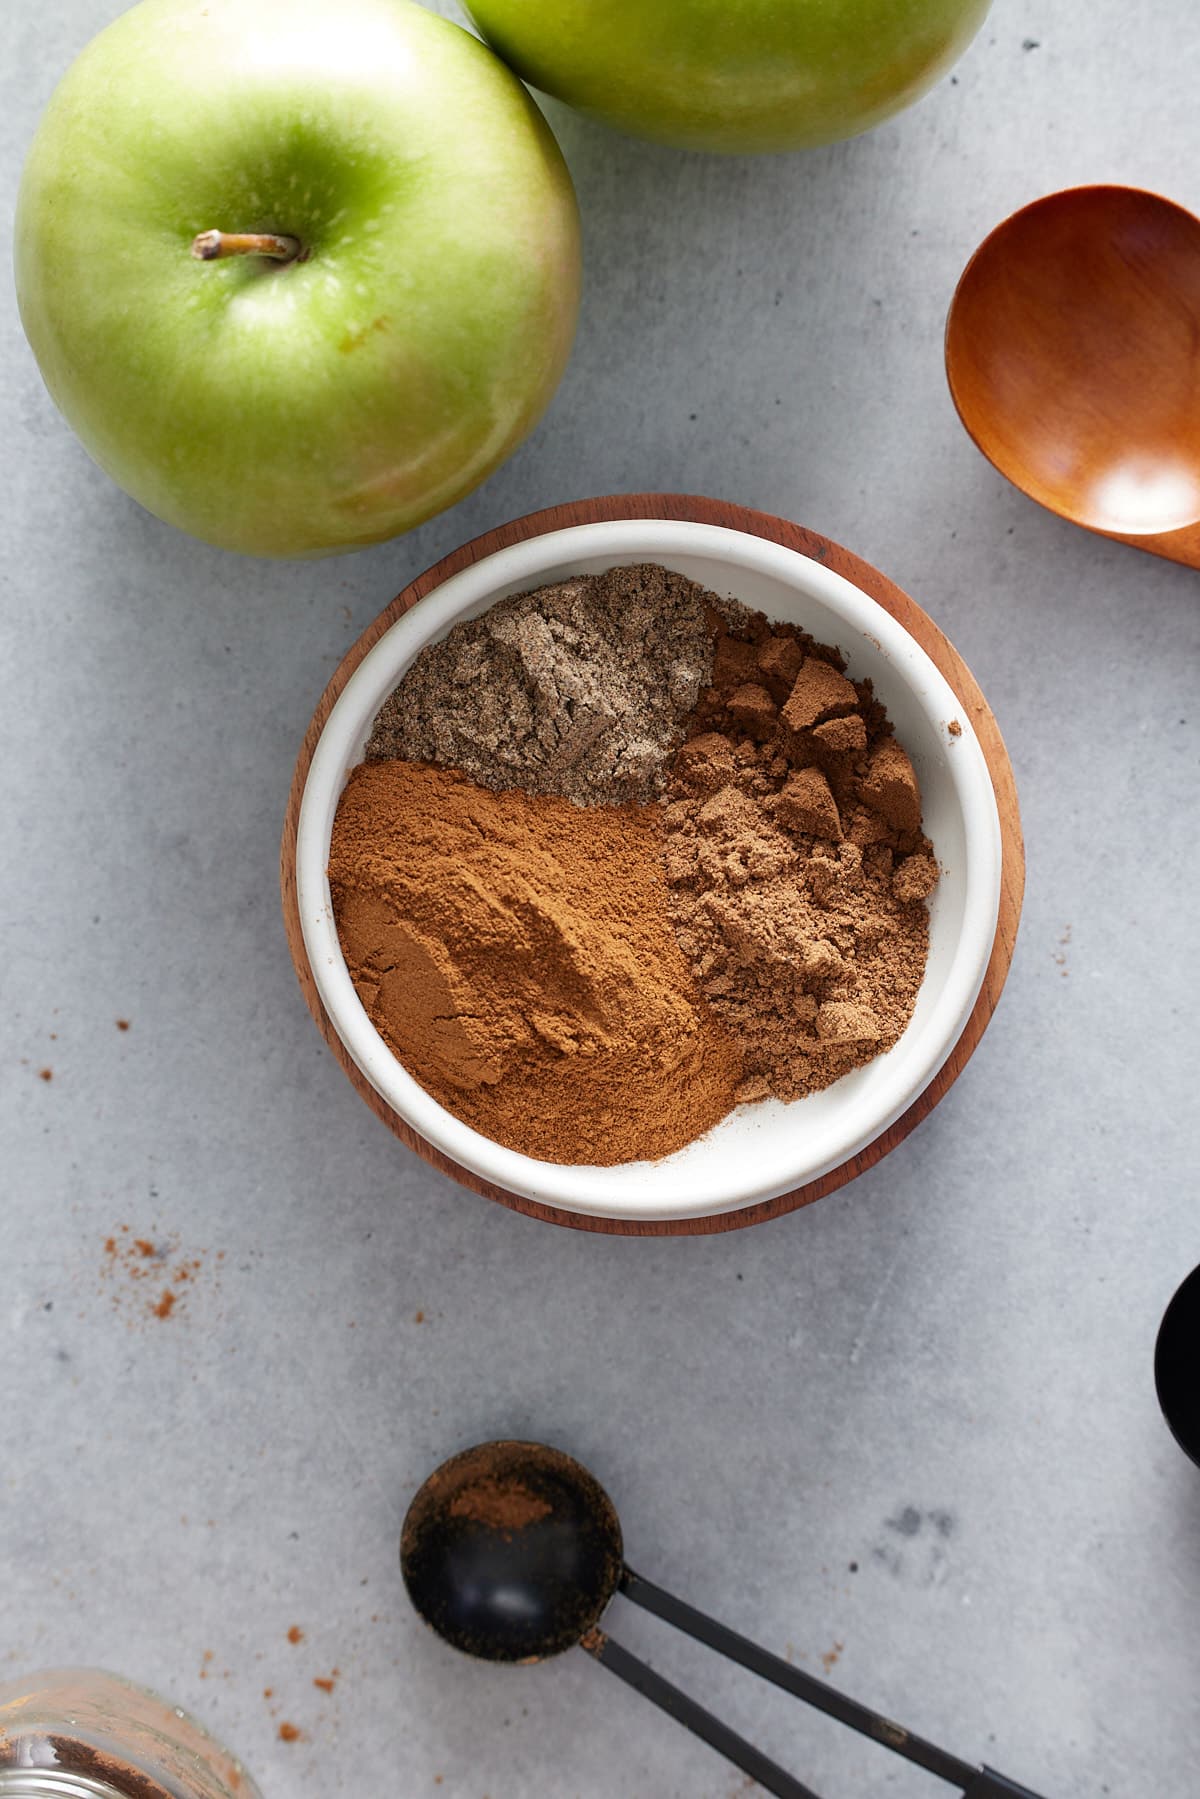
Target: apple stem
{"points": [[213, 244]]}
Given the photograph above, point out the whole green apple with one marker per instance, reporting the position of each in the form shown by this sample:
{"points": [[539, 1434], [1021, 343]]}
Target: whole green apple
{"points": [[300, 273], [732, 75]]}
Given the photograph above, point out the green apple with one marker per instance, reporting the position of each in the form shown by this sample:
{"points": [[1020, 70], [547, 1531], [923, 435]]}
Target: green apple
{"points": [[394, 273], [733, 75]]}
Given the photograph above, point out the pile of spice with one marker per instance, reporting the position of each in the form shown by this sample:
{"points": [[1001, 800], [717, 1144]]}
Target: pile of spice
{"points": [[516, 953], [579, 689], [796, 861], [624, 854]]}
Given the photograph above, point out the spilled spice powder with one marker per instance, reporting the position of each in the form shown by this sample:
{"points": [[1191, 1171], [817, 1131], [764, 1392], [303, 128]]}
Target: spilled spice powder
{"points": [[516, 953], [136, 1260]]}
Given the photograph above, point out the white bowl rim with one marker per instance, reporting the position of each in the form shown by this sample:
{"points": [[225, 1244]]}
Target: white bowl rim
{"points": [[516, 568]]}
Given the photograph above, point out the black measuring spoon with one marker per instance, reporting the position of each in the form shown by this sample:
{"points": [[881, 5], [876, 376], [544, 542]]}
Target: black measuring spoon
{"points": [[1177, 1366], [512, 1551]]}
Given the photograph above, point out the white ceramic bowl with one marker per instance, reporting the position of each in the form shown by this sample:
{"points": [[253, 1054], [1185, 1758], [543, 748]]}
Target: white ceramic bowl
{"points": [[761, 1150]]}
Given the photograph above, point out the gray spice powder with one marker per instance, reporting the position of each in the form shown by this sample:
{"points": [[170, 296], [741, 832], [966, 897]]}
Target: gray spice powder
{"points": [[580, 689]]}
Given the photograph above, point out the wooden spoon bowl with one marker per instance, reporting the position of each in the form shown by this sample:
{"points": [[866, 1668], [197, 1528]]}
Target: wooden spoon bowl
{"points": [[1073, 356]]}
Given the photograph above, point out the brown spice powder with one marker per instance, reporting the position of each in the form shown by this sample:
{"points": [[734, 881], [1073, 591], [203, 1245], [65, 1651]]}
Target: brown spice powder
{"points": [[580, 689], [516, 953], [130, 1261], [796, 860], [499, 1504], [85, 1758]]}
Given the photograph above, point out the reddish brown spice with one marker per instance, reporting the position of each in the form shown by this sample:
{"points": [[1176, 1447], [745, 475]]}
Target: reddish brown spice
{"points": [[83, 1758], [139, 1259], [295, 1634], [288, 1733], [499, 1504], [516, 952]]}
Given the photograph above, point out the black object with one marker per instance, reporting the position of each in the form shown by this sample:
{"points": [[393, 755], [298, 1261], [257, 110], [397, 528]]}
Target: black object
{"points": [[1177, 1366], [987, 1784], [512, 1551]]}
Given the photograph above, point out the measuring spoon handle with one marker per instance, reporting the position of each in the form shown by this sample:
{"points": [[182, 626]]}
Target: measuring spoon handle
{"points": [[743, 1755], [974, 1783], [987, 1784]]}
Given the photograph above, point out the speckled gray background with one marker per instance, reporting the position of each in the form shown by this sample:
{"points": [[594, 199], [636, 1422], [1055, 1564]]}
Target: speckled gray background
{"points": [[941, 1374]]}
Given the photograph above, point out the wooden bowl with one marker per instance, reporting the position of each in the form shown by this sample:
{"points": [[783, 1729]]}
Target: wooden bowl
{"points": [[914, 621]]}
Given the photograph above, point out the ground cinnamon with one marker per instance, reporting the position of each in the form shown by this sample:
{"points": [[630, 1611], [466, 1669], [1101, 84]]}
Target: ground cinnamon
{"points": [[504, 1503], [516, 953]]}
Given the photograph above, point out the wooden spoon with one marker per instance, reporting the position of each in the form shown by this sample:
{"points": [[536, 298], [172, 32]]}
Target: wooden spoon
{"points": [[1073, 356]]}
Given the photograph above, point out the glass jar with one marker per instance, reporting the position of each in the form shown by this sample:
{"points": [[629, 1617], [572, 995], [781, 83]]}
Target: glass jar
{"points": [[76, 1733]]}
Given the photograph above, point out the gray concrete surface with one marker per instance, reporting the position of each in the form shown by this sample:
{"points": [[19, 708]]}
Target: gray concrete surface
{"points": [[909, 1434]]}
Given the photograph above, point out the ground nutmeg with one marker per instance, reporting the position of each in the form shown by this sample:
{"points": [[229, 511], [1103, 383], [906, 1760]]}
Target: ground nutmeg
{"points": [[796, 860]]}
